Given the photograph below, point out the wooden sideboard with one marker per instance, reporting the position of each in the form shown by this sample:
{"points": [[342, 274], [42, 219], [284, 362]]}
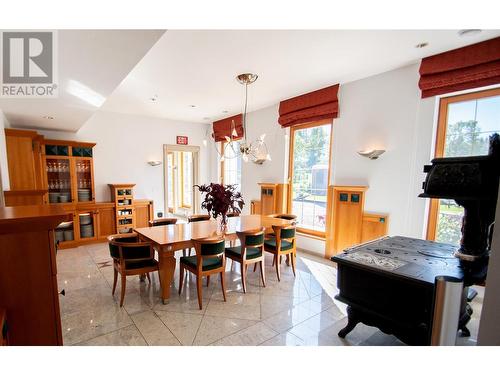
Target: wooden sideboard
{"points": [[28, 274]]}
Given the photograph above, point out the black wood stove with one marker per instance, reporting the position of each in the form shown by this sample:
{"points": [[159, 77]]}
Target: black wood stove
{"points": [[390, 283]]}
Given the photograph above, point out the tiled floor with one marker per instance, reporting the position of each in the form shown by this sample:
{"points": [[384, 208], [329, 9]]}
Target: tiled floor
{"points": [[295, 311]]}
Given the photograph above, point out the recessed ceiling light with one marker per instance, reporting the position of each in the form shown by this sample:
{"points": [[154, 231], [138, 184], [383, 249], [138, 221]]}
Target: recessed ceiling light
{"points": [[206, 118], [192, 106], [48, 117], [422, 45], [469, 32], [225, 111], [153, 99]]}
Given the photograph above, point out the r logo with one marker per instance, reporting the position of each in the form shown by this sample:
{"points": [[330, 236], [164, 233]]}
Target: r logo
{"points": [[27, 57]]}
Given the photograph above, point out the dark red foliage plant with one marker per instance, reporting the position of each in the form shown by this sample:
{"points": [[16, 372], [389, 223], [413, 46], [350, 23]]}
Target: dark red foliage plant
{"points": [[220, 199]]}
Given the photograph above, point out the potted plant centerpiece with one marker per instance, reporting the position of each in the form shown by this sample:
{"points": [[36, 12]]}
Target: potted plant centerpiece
{"points": [[219, 200]]}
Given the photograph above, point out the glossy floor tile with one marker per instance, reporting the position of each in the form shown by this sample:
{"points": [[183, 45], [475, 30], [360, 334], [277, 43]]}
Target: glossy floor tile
{"points": [[296, 311]]}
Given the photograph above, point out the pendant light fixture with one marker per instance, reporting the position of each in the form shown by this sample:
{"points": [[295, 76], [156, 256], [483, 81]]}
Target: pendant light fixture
{"points": [[256, 150]]}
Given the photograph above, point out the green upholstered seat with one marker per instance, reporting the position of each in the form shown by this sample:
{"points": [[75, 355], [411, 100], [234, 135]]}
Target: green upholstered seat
{"points": [[252, 252], [271, 243], [140, 264], [208, 263]]}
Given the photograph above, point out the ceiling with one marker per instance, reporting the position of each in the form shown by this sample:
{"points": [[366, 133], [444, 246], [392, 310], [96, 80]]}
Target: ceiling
{"points": [[198, 68], [192, 73], [91, 64]]}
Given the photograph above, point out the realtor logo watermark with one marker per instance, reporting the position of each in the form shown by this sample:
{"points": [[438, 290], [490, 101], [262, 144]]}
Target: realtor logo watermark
{"points": [[28, 64]]}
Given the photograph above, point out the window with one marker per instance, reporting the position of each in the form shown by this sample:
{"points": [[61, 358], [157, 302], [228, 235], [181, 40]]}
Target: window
{"points": [[170, 178], [231, 166], [464, 126], [309, 173], [186, 179]]}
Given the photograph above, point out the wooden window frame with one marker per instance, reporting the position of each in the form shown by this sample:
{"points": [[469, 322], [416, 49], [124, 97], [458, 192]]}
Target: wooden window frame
{"points": [[293, 129], [432, 219], [222, 145], [183, 204]]}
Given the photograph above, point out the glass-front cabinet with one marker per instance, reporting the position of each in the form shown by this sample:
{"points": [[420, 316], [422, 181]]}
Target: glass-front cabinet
{"points": [[86, 224], [69, 172], [59, 181]]}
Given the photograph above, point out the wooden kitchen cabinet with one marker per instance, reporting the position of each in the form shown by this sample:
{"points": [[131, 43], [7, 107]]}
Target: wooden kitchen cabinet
{"points": [[273, 198], [24, 156], [28, 274]]}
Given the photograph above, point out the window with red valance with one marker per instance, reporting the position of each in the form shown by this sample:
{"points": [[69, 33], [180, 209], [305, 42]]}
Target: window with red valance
{"points": [[317, 105], [223, 128], [473, 66]]}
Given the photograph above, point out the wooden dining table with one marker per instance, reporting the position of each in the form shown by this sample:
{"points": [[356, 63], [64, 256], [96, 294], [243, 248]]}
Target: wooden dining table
{"points": [[168, 239]]}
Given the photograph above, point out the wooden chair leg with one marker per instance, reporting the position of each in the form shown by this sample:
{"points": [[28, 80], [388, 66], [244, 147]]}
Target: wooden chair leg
{"points": [[288, 260], [292, 260], [222, 284], [184, 252], [232, 264], [208, 280], [274, 259], [181, 279], [262, 272], [124, 283], [149, 278], [244, 276], [277, 264], [115, 279], [199, 290], [254, 267]]}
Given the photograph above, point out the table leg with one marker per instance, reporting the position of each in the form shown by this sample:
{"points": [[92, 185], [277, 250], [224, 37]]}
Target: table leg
{"points": [[166, 272]]}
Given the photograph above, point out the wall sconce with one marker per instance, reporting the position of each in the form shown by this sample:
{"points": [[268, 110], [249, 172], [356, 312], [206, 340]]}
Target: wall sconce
{"points": [[154, 163], [371, 154]]}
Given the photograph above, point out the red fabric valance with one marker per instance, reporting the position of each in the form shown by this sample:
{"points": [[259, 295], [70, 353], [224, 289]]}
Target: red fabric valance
{"points": [[464, 68], [224, 127], [314, 106]]}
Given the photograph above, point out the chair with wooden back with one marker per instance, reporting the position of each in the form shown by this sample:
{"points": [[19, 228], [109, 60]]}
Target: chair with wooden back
{"points": [[130, 257], [195, 219], [208, 260], [284, 216], [233, 214], [293, 220], [250, 251], [198, 217], [162, 221], [283, 243]]}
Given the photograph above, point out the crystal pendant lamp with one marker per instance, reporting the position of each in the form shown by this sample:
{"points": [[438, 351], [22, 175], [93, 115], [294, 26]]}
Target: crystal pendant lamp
{"points": [[256, 150]]}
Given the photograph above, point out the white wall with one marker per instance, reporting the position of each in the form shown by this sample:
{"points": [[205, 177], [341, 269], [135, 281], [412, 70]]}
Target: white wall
{"points": [[125, 143], [4, 167], [383, 111]]}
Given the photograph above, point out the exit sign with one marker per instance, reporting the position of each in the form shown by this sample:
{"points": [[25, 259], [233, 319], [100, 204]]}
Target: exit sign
{"points": [[182, 140]]}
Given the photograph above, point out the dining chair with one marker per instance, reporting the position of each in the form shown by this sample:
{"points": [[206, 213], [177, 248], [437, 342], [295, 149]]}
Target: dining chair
{"points": [[284, 216], [208, 260], [293, 219], [251, 251], [162, 221], [194, 219], [130, 257], [283, 243], [233, 214], [198, 217]]}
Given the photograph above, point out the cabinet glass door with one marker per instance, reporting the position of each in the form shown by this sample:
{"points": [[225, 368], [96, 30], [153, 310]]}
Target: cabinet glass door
{"points": [[84, 180], [86, 225], [58, 179]]}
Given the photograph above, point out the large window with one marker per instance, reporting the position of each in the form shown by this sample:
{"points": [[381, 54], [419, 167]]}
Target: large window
{"points": [[464, 126], [231, 165], [186, 179], [309, 173]]}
